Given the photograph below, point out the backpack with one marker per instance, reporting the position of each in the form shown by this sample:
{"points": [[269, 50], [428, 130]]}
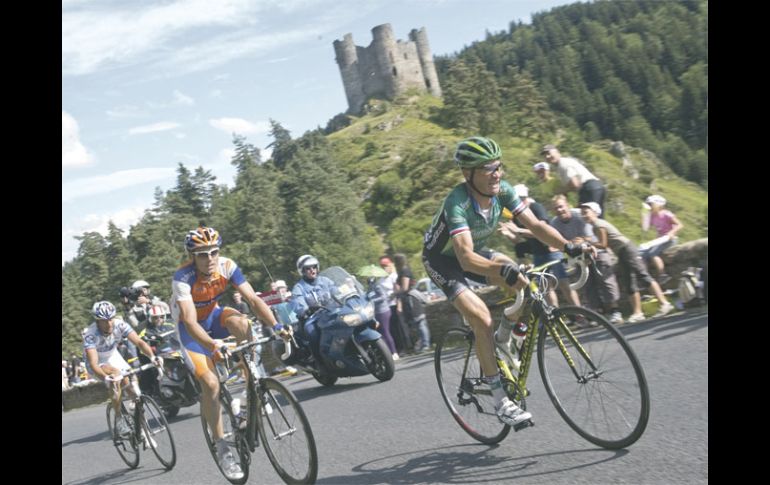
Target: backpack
{"points": [[690, 286]]}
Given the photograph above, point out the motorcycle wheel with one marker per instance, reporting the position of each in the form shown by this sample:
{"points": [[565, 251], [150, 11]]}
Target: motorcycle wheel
{"points": [[382, 366], [325, 379], [170, 411]]}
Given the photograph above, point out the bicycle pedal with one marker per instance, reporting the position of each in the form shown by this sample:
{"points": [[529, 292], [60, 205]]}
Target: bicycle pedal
{"points": [[523, 424]]}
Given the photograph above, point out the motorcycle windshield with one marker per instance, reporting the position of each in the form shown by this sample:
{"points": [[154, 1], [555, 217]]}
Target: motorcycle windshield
{"points": [[346, 283]]}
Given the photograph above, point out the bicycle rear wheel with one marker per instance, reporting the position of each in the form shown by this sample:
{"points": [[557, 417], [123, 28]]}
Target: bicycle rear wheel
{"points": [[458, 373], [607, 403], [285, 433], [234, 437], [157, 434], [127, 447]]}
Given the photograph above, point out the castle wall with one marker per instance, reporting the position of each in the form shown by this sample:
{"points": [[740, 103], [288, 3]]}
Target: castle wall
{"points": [[385, 68]]}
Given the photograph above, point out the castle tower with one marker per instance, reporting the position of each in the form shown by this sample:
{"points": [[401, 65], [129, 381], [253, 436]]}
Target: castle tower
{"points": [[386, 68], [347, 59], [420, 37]]}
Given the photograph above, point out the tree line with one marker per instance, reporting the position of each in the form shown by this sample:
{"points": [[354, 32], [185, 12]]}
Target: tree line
{"points": [[631, 71], [297, 202]]}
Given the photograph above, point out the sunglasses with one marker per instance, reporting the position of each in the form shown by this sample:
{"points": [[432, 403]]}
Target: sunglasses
{"points": [[305, 268], [491, 168], [211, 253]]}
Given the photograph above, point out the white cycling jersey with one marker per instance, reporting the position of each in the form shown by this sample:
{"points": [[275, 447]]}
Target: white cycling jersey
{"points": [[106, 345]]}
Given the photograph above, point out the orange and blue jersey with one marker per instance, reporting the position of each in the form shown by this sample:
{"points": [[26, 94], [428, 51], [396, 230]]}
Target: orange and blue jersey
{"points": [[186, 286]]}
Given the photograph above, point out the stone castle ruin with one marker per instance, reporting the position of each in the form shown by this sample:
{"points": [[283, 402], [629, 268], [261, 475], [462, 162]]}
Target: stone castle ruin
{"points": [[386, 68]]}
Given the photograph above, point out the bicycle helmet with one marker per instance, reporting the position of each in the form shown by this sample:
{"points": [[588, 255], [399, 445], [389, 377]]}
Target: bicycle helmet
{"points": [[202, 237], [306, 260], [157, 311], [103, 310], [140, 284], [476, 151]]}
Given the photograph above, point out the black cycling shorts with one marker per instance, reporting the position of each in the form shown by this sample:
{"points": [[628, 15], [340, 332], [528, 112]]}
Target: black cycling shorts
{"points": [[447, 273]]}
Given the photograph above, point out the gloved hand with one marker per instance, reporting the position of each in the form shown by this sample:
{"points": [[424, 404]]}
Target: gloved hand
{"points": [[511, 274], [574, 250]]}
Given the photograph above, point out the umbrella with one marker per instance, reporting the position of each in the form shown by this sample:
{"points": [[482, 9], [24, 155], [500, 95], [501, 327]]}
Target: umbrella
{"points": [[371, 270]]}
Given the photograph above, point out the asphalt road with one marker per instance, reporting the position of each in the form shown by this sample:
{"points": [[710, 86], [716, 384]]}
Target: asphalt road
{"points": [[400, 431]]}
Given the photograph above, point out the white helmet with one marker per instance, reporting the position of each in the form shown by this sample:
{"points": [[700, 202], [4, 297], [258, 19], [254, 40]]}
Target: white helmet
{"points": [[140, 284], [306, 260]]}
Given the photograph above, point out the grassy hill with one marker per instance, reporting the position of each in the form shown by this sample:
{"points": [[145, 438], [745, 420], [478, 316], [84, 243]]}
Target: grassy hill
{"points": [[400, 162]]}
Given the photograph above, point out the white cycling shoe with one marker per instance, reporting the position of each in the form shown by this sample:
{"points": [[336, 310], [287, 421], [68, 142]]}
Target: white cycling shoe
{"points": [[511, 414]]}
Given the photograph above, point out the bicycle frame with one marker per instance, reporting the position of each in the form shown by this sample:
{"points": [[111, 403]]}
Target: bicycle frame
{"points": [[538, 314]]}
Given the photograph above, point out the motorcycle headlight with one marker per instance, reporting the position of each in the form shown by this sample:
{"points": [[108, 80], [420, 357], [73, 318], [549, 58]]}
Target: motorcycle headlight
{"points": [[352, 319], [369, 311]]}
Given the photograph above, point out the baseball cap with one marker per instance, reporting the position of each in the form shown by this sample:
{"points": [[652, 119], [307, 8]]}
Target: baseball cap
{"points": [[656, 199], [546, 148], [541, 166], [593, 206]]}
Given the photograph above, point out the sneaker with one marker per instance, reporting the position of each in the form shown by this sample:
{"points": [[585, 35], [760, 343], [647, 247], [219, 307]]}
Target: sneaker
{"points": [[229, 467], [665, 309], [123, 429], [395, 356], [616, 318], [509, 413], [636, 317], [582, 322]]}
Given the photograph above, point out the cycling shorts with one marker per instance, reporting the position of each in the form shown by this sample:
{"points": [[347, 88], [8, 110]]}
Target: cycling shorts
{"points": [[447, 273], [198, 359]]}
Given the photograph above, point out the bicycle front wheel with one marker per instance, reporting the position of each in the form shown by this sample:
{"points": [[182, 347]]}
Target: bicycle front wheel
{"points": [[459, 374], [127, 446], [600, 391], [285, 433], [156, 434]]}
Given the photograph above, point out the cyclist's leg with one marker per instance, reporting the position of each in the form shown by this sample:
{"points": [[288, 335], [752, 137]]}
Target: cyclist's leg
{"points": [[198, 361]]}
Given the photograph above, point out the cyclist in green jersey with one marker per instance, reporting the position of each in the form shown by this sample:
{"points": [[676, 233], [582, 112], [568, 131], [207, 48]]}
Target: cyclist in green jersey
{"points": [[454, 249]]}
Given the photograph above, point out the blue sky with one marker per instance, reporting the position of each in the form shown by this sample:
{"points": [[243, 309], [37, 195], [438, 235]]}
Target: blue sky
{"points": [[149, 84]]}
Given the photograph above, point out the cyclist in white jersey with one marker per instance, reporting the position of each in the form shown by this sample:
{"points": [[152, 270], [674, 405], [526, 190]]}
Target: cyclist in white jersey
{"points": [[100, 342]]}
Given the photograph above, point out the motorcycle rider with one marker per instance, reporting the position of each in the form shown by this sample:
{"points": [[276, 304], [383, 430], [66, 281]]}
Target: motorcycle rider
{"points": [[307, 295]]}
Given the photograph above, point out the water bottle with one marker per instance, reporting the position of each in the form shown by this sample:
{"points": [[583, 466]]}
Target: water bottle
{"points": [[235, 405], [519, 333]]}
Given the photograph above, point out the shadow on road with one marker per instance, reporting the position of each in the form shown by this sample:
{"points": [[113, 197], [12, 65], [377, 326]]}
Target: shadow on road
{"points": [[125, 475], [465, 464]]}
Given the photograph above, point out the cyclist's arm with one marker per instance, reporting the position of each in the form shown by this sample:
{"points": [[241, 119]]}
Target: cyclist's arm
{"points": [[470, 260], [133, 337], [542, 230], [93, 361], [258, 306], [188, 316]]}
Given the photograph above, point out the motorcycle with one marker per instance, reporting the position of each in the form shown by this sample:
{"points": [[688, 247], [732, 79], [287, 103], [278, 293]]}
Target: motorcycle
{"points": [[349, 345], [177, 388]]}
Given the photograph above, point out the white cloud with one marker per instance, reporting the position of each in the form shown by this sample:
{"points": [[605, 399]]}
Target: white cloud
{"points": [[162, 126], [73, 153], [126, 111], [101, 184], [123, 218], [183, 99], [99, 37], [240, 126]]}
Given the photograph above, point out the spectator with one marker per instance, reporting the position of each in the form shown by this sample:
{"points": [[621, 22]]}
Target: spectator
{"points": [[575, 177], [398, 330], [65, 379], [541, 253], [413, 303], [74, 369], [240, 305], [379, 295], [281, 288], [550, 183], [631, 266], [602, 291], [666, 225]]}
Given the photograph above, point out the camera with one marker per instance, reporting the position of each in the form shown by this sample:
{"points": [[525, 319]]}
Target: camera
{"points": [[131, 293]]}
